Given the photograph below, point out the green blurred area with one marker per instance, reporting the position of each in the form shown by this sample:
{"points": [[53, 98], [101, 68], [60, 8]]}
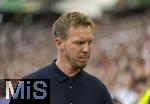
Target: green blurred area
{"points": [[32, 6], [11, 5], [25, 6], [138, 3]]}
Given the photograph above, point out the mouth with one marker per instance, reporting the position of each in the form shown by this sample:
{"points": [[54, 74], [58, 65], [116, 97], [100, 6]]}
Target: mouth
{"points": [[83, 59]]}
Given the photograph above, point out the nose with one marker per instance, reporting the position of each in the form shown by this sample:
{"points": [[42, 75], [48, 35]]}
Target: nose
{"points": [[86, 48]]}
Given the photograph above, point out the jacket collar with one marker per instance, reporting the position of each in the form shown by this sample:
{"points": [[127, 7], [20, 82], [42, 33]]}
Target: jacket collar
{"points": [[61, 76]]}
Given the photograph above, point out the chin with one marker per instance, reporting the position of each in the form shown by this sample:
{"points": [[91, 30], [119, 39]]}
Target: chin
{"points": [[82, 65]]}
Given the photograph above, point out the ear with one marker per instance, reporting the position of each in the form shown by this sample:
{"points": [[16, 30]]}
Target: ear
{"points": [[59, 43]]}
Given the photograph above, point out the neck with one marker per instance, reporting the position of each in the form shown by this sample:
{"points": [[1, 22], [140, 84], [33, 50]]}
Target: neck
{"points": [[65, 67]]}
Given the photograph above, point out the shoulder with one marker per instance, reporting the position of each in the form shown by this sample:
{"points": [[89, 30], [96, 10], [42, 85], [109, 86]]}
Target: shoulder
{"points": [[42, 73], [93, 79], [100, 86]]}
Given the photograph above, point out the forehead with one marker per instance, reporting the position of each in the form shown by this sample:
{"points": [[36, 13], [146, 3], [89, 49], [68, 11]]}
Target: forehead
{"points": [[80, 32]]}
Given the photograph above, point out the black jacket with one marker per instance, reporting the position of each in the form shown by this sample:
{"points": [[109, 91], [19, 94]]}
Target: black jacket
{"points": [[83, 88]]}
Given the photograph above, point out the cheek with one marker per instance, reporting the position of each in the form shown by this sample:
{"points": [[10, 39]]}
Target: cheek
{"points": [[91, 48], [74, 50]]}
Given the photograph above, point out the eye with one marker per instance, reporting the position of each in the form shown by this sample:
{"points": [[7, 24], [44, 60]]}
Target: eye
{"points": [[90, 42], [79, 42], [83, 42]]}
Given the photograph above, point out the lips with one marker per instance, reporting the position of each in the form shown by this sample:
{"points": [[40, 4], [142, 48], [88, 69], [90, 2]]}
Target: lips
{"points": [[83, 59]]}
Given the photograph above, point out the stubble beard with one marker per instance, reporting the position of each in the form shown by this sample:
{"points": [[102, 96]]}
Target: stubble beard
{"points": [[74, 63]]}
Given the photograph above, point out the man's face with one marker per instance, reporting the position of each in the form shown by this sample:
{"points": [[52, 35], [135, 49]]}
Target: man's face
{"points": [[77, 46]]}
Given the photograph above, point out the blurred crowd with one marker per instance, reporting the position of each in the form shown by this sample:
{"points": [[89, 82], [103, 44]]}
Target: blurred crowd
{"points": [[120, 55]]}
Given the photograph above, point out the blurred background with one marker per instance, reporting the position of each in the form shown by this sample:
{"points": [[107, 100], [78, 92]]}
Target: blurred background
{"points": [[120, 55]]}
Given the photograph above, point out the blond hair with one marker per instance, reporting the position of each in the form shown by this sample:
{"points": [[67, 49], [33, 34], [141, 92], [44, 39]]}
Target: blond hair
{"points": [[65, 21]]}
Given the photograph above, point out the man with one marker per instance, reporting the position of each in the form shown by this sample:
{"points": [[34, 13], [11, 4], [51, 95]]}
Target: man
{"points": [[69, 83]]}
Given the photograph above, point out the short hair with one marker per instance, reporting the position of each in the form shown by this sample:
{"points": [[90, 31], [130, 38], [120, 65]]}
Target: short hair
{"points": [[65, 21]]}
